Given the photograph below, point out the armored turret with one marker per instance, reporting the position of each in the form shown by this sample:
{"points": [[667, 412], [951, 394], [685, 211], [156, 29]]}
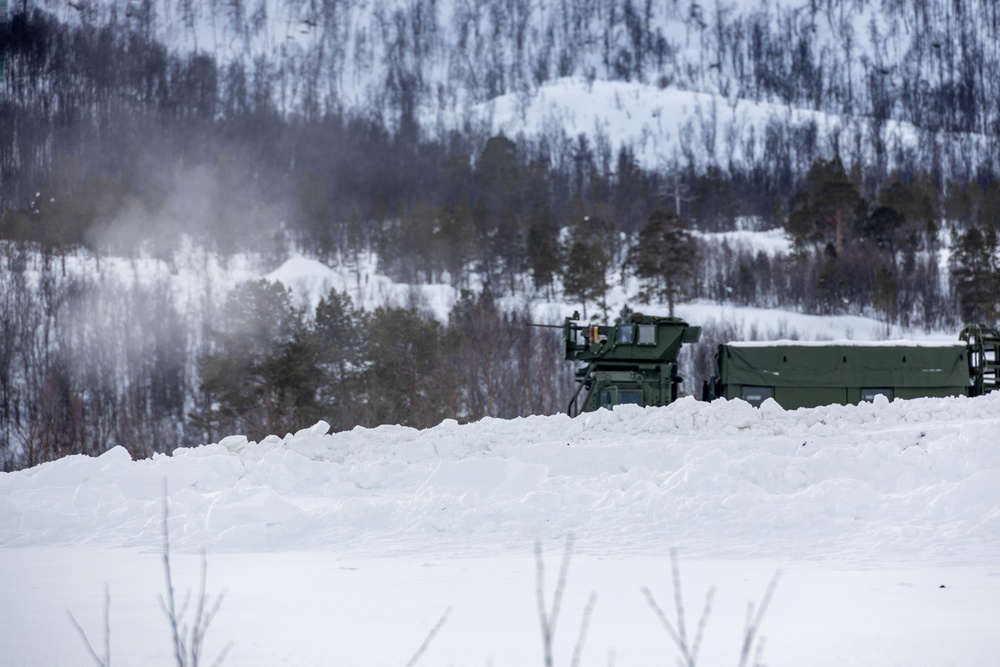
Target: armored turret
{"points": [[631, 362]]}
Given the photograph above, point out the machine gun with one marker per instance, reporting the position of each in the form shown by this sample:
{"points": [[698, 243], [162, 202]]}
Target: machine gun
{"points": [[630, 362]]}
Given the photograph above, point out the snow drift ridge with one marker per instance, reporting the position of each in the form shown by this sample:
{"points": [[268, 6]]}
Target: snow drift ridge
{"points": [[898, 480]]}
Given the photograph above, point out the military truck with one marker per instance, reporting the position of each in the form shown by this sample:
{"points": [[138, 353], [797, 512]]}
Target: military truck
{"points": [[631, 362], [635, 361]]}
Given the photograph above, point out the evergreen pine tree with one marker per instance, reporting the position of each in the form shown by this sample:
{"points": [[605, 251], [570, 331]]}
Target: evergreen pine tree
{"points": [[457, 236], [827, 208], [260, 374], [543, 249], [713, 207], [664, 259], [587, 261], [976, 273], [886, 295], [337, 337], [406, 378]]}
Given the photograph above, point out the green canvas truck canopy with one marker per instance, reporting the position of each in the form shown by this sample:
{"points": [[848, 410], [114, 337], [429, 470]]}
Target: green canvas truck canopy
{"points": [[807, 374]]}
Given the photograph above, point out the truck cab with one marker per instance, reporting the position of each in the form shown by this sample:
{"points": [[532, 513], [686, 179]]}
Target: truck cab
{"points": [[631, 362]]}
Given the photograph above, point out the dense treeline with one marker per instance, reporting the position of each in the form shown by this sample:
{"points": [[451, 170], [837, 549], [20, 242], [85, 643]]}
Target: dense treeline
{"points": [[269, 366], [112, 144], [370, 101], [90, 362], [929, 62]]}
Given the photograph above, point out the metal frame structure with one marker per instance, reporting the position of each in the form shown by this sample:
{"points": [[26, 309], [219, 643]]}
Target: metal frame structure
{"points": [[984, 357]]}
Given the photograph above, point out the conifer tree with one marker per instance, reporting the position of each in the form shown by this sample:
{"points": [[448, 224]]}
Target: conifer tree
{"points": [[886, 295], [261, 370], [827, 209], [664, 259], [543, 249], [587, 261], [407, 378], [882, 227], [713, 207], [456, 236], [337, 337], [975, 270], [916, 204]]}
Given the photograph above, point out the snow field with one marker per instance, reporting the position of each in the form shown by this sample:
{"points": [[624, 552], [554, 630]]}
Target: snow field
{"points": [[901, 480], [318, 608], [346, 548]]}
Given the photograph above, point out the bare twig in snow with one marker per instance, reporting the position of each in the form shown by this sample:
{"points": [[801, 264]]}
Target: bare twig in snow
{"points": [[689, 651], [548, 618], [753, 624], [429, 638], [584, 626], [106, 660], [188, 642]]}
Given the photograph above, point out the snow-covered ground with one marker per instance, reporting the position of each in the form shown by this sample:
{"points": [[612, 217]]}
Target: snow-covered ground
{"points": [[195, 277], [666, 125], [346, 548]]}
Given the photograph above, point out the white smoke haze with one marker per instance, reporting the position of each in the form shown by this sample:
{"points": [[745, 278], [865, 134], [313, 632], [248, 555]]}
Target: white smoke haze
{"points": [[206, 202]]}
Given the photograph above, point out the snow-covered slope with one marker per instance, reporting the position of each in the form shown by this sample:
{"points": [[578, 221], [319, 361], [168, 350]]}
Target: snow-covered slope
{"points": [[195, 277], [678, 81], [889, 481], [344, 548], [667, 127]]}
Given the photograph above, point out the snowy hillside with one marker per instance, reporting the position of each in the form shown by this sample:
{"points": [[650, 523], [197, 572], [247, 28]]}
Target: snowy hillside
{"points": [[193, 275], [671, 126], [345, 548], [691, 82]]}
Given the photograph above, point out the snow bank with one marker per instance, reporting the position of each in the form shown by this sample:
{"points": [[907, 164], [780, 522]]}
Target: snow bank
{"points": [[903, 480]]}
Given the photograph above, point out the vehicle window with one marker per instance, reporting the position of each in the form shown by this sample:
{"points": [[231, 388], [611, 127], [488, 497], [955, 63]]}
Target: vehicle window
{"points": [[633, 396], [647, 334], [756, 395], [868, 394], [607, 398], [625, 332]]}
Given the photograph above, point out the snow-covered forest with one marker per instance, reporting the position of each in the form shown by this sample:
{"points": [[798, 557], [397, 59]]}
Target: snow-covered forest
{"points": [[158, 158], [268, 276]]}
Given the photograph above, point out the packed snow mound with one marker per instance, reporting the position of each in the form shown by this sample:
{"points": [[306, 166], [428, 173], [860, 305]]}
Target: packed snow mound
{"points": [[902, 480], [309, 276], [310, 280]]}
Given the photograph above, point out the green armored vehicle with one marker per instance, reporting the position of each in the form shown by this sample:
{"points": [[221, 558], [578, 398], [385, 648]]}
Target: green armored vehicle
{"points": [[636, 362], [630, 362]]}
